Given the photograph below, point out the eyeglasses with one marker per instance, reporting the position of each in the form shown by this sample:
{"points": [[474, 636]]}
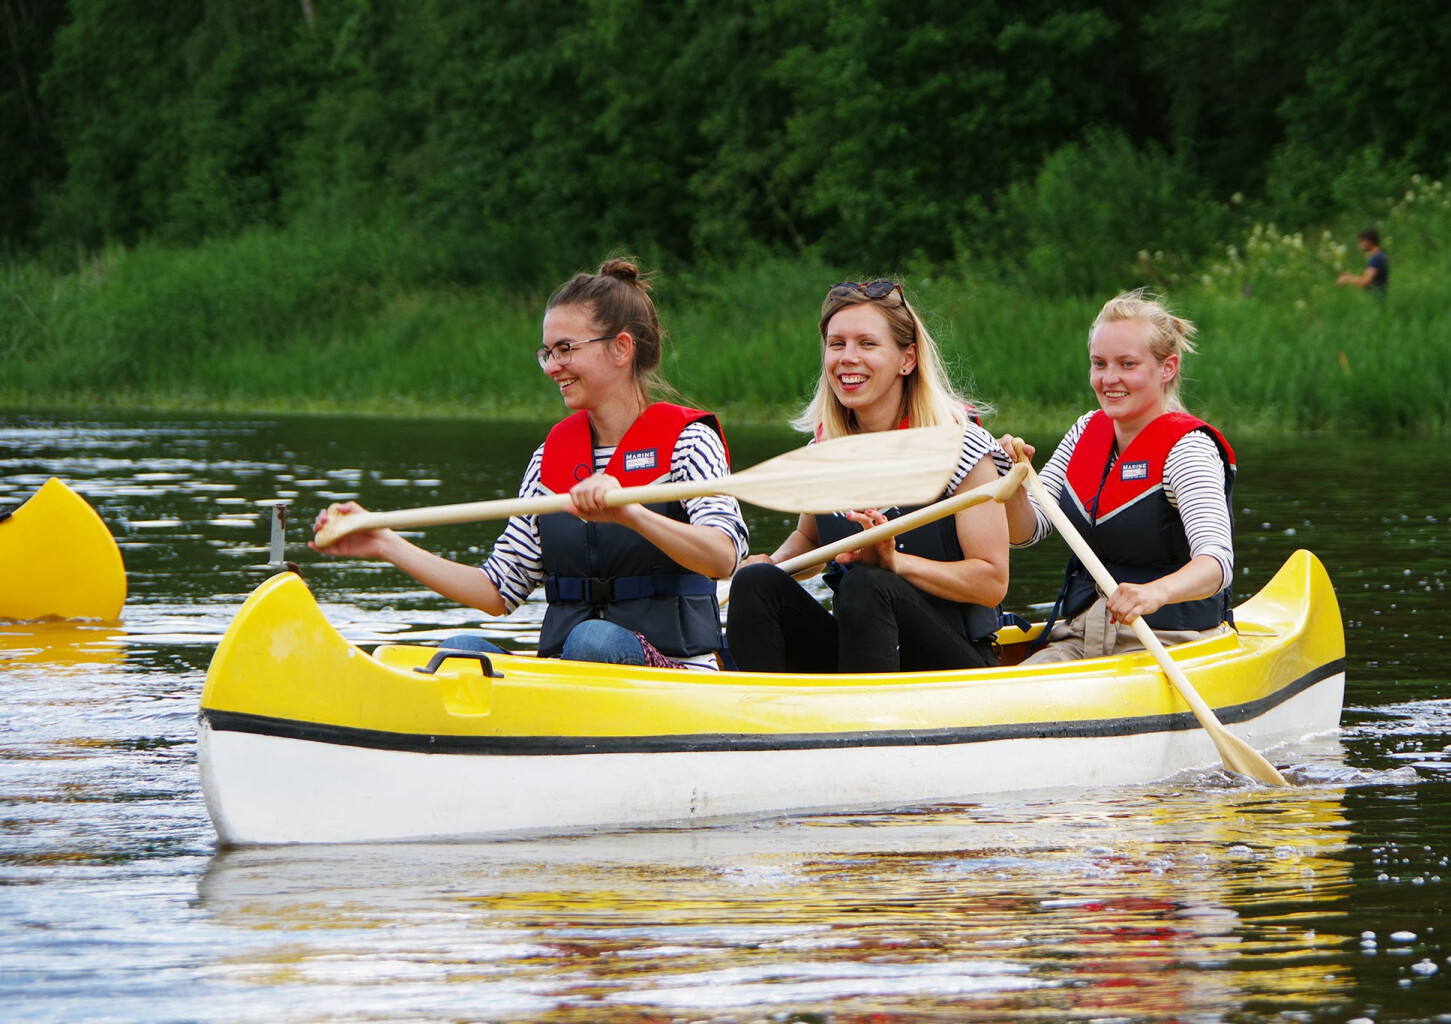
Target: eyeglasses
{"points": [[563, 352], [871, 289]]}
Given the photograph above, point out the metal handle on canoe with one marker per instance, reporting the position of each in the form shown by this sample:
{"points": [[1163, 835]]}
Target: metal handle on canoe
{"points": [[445, 653]]}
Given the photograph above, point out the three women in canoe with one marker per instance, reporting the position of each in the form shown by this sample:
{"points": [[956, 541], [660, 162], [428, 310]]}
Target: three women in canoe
{"points": [[631, 584], [927, 599], [1148, 485]]}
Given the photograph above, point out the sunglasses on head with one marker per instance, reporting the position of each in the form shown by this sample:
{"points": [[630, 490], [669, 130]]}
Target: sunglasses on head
{"points": [[871, 289]]}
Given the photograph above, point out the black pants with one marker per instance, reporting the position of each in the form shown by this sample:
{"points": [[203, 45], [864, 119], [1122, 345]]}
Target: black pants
{"points": [[882, 624]]}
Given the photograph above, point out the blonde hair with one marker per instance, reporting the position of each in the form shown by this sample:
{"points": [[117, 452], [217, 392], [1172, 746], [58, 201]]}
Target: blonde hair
{"points": [[1164, 333], [928, 397], [618, 298]]}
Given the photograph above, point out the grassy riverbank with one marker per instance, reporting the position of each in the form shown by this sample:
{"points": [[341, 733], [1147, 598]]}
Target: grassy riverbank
{"points": [[285, 320]]}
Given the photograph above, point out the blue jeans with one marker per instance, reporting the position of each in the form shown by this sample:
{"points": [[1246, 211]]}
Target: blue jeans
{"points": [[471, 642], [591, 640]]}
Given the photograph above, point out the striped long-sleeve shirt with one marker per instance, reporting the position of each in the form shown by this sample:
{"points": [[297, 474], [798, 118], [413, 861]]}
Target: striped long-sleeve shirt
{"points": [[977, 442], [1193, 483]]}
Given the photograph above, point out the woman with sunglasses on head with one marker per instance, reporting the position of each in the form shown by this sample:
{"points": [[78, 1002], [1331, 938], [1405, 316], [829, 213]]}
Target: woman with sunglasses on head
{"points": [[630, 584], [924, 600], [1146, 484]]}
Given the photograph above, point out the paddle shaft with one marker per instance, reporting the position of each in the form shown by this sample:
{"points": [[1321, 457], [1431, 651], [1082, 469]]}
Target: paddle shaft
{"points": [[860, 470], [1238, 755], [503, 508], [999, 490]]}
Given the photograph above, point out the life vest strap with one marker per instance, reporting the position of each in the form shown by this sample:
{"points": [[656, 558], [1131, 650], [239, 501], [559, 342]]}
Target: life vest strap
{"points": [[596, 591]]}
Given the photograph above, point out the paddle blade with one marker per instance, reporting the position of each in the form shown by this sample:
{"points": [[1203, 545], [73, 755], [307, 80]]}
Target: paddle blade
{"points": [[877, 470], [1240, 757]]}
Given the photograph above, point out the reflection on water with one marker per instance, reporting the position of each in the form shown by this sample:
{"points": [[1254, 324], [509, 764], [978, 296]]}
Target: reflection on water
{"points": [[60, 647], [1144, 903], [1200, 898]]}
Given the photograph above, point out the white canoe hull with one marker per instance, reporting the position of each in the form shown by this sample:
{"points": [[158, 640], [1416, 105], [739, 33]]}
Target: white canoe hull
{"points": [[279, 789]]}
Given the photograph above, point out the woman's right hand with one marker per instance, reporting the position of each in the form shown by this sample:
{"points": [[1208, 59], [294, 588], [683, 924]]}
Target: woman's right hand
{"points": [[362, 544]]}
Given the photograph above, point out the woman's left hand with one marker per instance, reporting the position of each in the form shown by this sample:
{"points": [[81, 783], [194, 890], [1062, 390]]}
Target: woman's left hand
{"points": [[883, 553], [1130, 600], [1013, 445]]}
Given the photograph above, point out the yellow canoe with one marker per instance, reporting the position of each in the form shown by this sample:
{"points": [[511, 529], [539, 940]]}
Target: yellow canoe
{"points": [[304, 737], [58, 560]]}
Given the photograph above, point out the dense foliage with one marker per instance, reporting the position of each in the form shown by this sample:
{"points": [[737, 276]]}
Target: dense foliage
{"points": [[361, 204], [1047, 142]]}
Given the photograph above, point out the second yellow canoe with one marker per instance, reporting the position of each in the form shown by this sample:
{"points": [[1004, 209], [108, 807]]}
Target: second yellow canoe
{"points": [[58, 560]]}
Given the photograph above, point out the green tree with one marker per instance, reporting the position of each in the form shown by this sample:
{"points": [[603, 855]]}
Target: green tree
{"points": [[1095, 206], [33, 159], [117, 84], [1227, 68], [747, 189], [252, 78], [1375, 76], [906, 119]]}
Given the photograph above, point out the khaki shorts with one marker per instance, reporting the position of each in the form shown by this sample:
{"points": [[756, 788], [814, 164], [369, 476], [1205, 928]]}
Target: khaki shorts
{"points": [[1090, 634]]}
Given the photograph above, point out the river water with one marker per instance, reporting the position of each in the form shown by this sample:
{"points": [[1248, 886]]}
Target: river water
{"points": [[1200, 898]]}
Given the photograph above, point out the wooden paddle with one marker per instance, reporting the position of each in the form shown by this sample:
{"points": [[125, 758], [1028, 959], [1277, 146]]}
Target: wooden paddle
{"points": [[887, 467], [1238, 755], [999, 490]]}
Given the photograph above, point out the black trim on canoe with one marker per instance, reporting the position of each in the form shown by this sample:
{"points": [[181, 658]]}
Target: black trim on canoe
{"points": [[521, 746]]}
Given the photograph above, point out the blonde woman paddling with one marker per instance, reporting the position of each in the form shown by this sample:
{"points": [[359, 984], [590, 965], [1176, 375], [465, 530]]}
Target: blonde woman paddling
{"points": [[1146, 484], [927, 599]]}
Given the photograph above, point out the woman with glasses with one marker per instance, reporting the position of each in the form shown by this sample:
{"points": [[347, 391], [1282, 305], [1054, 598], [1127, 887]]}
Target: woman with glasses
{"points": [[925, 600], [625, 585], [1147, 485]]}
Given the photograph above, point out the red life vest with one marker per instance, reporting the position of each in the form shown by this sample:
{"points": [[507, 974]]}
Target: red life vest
{"points": [[607, 571], [1122, 511], [642, 456]]}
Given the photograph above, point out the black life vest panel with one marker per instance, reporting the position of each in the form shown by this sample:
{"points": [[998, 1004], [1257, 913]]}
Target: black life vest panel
{"points": [[607, 571], [1121, 509], [936, 540]]}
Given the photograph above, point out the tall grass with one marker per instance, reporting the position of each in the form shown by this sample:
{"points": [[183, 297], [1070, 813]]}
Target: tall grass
{"points": [[286, 319]]}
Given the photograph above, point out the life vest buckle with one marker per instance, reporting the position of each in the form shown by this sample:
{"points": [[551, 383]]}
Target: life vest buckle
{"points": [[596, 591]]}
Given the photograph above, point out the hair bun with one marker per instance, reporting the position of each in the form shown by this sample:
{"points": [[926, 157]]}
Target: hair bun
{"points": [[624, 270]]}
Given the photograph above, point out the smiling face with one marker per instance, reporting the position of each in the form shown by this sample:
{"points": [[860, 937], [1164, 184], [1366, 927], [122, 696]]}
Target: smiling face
{"points": [[1129, 381], [593, 373], [865, 367]]}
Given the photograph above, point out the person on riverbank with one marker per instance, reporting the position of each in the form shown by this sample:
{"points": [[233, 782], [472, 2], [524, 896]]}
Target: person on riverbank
{"points": [[927, 599], [1146, 484], [625, 585], [1376, 277]]}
